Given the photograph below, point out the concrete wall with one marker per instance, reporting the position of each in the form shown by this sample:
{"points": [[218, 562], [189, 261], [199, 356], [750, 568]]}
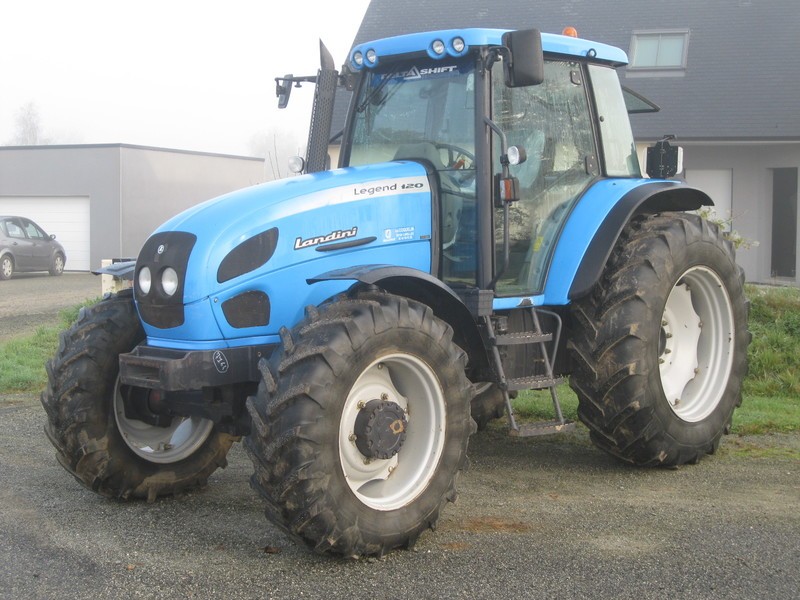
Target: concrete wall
{"points": [[155, 185], [751, 164], [751, 202]]}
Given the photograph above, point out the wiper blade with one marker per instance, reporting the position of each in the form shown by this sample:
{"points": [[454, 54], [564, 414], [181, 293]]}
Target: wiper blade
{"points": [[363, 105]]}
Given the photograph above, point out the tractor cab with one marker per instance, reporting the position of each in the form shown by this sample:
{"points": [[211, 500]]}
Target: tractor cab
{"points": [[513, 127]]}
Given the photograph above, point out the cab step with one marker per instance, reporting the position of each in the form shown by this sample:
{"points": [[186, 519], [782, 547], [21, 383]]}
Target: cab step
{"points": [[534, 382], [522, 337], [542, 428]]}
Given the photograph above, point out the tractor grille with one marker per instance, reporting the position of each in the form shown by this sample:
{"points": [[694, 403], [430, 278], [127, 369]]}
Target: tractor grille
{"points": [[162, 250]]}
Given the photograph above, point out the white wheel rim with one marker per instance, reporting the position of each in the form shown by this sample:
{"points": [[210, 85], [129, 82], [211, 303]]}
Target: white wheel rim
{"points": [[7, 268], [696, 345], [393, 483], [59, 264], [161, 445]]}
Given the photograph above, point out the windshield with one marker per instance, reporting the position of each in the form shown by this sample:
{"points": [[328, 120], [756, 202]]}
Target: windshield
{"points": [[415, 102], [424, 110]]}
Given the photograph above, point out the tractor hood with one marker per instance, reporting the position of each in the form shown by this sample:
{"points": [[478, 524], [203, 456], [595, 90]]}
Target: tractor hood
{"points": [[260, 245]]}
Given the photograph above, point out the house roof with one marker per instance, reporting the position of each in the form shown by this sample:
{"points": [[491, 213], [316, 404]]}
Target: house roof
{"points": [[741, 82]]}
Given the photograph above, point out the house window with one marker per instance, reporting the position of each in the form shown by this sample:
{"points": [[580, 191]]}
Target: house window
{"points": [[659, 50]]}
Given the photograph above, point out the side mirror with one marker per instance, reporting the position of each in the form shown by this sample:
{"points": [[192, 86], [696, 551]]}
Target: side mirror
{"points": [[525, 66], [283, 90], [663, 160]]}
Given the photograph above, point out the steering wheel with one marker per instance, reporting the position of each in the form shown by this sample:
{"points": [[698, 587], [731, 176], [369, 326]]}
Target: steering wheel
{"points": [[457, 157], [460, 163]]}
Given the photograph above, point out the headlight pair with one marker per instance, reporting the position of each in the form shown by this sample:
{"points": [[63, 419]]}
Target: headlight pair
{"points": [[169, 281]]}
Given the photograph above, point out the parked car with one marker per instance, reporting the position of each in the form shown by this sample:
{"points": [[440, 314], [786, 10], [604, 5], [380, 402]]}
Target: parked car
{"points": [[24, 246]]}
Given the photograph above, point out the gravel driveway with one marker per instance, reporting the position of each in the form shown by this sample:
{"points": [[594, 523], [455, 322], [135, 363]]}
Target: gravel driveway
{"points": [[536, 518], [28, 300]]}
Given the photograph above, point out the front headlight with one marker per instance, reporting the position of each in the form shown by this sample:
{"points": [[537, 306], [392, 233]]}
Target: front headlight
{"points": [[169, 281], [145, 280]]}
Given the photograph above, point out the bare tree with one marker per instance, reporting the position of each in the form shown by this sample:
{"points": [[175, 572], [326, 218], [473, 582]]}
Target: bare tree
{"points": [[28, 127]]}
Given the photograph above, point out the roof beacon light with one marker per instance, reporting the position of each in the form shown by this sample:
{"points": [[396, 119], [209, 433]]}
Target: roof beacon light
{"points": [[438, 47], [570, 31]]}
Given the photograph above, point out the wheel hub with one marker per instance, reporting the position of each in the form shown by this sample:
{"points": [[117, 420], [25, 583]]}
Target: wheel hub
{"points": [[696, 344], [380, 429]]}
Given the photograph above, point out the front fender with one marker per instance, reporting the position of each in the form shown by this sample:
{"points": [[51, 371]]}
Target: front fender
{"points": [[423, 287]]}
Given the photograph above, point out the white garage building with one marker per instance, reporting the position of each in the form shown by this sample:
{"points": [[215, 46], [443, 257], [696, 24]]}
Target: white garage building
{"points": [[103, 201]]}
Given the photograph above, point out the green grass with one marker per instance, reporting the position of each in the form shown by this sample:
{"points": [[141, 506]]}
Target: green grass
{"points": [[538, 406], [775, 350], [767, 414], [22, 360]]}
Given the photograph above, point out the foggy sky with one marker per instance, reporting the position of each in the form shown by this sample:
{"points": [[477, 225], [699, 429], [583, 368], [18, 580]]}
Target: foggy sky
{"points": [[194, 75]]}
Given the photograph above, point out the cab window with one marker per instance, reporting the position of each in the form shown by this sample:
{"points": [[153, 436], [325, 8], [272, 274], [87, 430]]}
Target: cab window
{"points": [[619, 149]]}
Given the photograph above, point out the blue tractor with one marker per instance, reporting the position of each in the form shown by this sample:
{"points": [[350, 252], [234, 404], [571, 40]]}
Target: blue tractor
{"points": [[488, 230]]}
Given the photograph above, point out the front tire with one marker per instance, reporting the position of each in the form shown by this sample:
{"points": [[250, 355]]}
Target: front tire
{"points": [[6, 267], [57, 266], [361, 424], [661, 343], [108, 452]]}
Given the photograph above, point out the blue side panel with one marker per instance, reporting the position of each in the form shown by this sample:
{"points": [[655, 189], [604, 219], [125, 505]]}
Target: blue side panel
{"points": [[582, 225], [290, 294], [507, 303]]}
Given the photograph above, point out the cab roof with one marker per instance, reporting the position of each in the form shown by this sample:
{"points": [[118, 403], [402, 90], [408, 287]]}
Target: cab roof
{"points": [[427, 41]]}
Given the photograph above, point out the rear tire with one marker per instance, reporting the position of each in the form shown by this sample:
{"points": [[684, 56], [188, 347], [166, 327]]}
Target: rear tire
{"points": [[360, 425], [111, 454], [661, 343]]}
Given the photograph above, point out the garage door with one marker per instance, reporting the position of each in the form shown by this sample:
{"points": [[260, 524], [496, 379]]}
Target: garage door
{"points": [[66, 217]]}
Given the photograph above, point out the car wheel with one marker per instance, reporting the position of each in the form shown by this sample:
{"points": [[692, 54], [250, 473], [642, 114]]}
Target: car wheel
{"points": [[57, 268], [6, 267]]}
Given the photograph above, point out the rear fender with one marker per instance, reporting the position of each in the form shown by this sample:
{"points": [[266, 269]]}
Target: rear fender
{"points": [[596, 223]]}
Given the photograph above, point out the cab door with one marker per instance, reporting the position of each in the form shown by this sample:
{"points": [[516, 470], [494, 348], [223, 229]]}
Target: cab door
{"points": [[552, 122]]}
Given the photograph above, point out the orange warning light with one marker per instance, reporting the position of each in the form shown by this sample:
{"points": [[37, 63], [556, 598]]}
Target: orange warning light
{"points": [[570, 31]]}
